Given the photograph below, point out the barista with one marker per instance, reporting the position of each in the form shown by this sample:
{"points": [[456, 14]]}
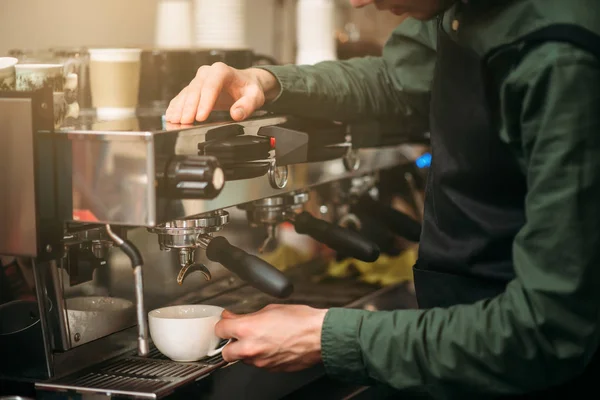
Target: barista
{"points": [[508, 277]]}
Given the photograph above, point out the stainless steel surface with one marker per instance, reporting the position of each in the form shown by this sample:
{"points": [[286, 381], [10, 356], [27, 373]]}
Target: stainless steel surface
{"points": [[18, 225], [201, 224], [119, 241], [189, 234], [130, 376], [93, 317], [272, 211], [292, 199], [109, 168], [189, 266], [275, 210], [114, 170], [143, 346], [278, 176]]}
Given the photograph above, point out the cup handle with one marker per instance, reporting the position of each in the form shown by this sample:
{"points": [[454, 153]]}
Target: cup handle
{"points": [[219, 350]]}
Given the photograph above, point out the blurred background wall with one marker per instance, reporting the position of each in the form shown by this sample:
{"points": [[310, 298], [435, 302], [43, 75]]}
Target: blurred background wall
{"points": [[33, 24]]}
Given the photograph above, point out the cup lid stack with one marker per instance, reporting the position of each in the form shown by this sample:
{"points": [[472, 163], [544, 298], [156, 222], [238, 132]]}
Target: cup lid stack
{"points": [[174, 24], [220, 24], [315, 31]]}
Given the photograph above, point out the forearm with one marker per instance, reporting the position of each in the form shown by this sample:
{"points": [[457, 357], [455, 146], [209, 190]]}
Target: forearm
{"points": [[500, 346], [394, 85], [341, 90]]}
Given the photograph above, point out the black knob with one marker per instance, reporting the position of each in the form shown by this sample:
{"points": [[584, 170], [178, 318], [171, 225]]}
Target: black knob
{"points": [[339, 239], [249, 268], [193, 177], [398, 222]]}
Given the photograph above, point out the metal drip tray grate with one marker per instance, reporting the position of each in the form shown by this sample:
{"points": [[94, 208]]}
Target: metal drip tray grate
{"points": [[116, 384], [151, 368], [214, 360], [152, 377]]}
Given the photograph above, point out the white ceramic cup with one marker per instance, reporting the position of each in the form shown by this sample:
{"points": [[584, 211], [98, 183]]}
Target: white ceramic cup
{"points": [[7, 73], [186, 333]]}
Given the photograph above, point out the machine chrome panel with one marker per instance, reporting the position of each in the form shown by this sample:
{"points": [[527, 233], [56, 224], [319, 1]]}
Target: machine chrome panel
{"points": [[115, 164], [18, 225], [108, 168]]}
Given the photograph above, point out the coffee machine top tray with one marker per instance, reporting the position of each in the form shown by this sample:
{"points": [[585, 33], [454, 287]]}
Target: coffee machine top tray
{"points": [[143, 171], [146, 119]]}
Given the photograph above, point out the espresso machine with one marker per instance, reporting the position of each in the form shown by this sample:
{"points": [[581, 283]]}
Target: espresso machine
{"points": [[111, 221]]}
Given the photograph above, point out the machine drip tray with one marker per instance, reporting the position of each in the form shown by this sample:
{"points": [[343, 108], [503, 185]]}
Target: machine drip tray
{"points": [[149, 377], [156, 376]]}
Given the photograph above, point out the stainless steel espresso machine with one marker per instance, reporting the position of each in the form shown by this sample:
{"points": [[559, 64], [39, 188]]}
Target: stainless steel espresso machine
{"points": [[110, 219]]}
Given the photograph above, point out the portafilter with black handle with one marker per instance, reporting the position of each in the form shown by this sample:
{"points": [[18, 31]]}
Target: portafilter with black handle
{"points": [[288, 208]]}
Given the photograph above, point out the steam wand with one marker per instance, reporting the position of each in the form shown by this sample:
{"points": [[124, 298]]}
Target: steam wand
{"points": [[136, 262]]}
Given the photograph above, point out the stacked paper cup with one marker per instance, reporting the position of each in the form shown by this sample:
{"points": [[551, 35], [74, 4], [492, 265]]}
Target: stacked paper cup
{"points": [[220, 24], [315, 31], [174, 24]]}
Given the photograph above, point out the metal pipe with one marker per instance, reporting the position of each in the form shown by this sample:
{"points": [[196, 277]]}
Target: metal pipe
{"points": [[61, 312], [136, 262], [143, 346], [119, 242]]}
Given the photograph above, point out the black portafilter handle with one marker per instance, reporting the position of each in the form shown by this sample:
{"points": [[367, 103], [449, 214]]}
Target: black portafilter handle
{"points": [[398, 222], [193, 177], [258, 273], [339, 239]]}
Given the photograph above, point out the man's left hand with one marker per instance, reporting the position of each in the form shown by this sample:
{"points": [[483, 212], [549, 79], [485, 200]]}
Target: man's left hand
{"points": [[281, 338]]}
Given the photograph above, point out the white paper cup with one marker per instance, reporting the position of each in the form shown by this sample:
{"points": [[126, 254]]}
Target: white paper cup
{"points": [[186, 333], [174, 24], [115, 80], [316, 31], [220, 24]]}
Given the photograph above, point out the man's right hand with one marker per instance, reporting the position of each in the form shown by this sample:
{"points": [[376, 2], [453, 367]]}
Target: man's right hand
{"points": [[219, 87]]}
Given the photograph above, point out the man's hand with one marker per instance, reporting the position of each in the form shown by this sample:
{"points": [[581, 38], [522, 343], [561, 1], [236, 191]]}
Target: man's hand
{"points": [[220, 87], [282, 338]]}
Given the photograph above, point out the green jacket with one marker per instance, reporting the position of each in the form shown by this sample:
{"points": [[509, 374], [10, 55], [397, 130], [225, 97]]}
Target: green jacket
{"points": [[544, 330]]}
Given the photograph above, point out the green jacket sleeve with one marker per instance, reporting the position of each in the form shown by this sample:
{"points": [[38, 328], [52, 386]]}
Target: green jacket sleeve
{"points": [[544, 329], [396, 84]]}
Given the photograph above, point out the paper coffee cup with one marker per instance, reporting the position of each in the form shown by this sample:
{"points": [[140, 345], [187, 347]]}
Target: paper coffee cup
{"points": [[115, 81]]}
